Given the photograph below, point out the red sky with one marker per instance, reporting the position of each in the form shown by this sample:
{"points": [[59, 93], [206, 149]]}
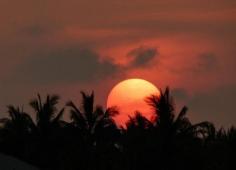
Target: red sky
{"points": [[56, 46]]}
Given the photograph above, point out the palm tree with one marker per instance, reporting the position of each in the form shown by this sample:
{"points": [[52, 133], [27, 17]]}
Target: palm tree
{"points": [[48, 136], [91, 119], [95, 132], [166, 120], [16, 132], [138, 123], [137, 141], [18, 123], [47, 117], [173, 131]]}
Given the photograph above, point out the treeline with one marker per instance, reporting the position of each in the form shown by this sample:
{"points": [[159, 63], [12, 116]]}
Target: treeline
{"points": [[92, 141]]}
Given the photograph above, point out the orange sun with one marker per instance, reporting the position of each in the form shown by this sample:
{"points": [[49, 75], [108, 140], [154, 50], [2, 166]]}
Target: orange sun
{"points": [[129, 96]]}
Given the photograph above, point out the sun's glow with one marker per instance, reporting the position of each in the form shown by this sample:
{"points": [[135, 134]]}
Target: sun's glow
{"points": [[129, 96]]}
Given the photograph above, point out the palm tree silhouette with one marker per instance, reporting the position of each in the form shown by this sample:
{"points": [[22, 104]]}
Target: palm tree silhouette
{"points": [[19, 123], [96, 131], [91, 119], [47, 117], [47, 137], [92, 140], [170, 123], [173, 130], [136, 142], [17, 128], [138, 122]]}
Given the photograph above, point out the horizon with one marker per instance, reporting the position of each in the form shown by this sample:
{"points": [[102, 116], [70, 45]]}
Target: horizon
{"points": [[66, 116]]}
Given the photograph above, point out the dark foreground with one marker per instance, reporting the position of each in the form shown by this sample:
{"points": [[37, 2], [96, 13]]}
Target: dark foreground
{"points": [[92, 141]]}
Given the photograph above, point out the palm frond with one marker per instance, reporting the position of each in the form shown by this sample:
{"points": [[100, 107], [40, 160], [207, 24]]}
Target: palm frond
{"points": [[87, 103]]}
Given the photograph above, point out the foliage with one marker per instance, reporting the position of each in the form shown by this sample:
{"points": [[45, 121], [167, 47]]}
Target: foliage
{"points": [[91, 140]]}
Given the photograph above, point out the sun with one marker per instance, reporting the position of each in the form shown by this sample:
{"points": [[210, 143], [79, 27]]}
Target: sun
{"points": [[129, 96]]}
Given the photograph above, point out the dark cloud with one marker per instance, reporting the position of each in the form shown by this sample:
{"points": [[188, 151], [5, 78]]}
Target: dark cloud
{"points": [[142, 56], [214, 105], [63, 65]]}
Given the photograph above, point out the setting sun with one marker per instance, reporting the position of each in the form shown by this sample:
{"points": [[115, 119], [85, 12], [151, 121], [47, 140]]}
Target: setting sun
{"points": [[129, 96]]}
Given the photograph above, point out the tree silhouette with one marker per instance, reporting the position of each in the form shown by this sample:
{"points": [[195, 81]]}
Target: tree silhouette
{"points": [[92, 141], [46, 116], [95, 127], [138, 122], [90, 119], [47, 136], [19, 123], [173, 130], [16, 129]]}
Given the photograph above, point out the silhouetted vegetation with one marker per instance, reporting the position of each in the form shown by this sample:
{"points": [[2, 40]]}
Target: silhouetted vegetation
{"points": [[91, 140]]}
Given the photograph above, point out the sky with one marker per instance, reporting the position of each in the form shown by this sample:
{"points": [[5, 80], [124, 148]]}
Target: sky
{"points": [[63, 47]]}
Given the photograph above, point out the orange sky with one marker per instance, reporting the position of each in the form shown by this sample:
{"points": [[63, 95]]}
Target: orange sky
{"points": [[58, 46]]}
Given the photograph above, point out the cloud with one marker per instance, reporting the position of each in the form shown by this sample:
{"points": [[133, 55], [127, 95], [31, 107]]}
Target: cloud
{"points": [[64, 65], [142, 56], [216, 105]]}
